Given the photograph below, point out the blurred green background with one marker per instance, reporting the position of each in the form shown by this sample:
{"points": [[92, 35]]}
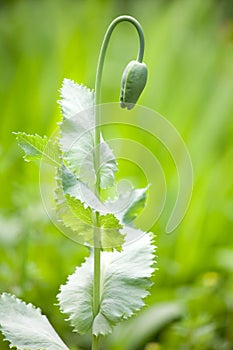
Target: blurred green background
{"points": [[189, 54]]}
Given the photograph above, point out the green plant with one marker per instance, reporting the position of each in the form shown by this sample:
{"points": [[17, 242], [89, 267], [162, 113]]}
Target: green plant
{"points": [[113, 281]]}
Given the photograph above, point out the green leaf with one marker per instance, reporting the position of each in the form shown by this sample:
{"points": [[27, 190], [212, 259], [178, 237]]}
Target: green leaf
{"points": [[126, 208], [129, 205], [111, 236], [137, 203], [75, 215], [36, 147], [82, 230], [75, 188], [80, 224], [77, 137], [125, 281], [108, 165], [75, 98], [77, 143], [76, 211], [25, 327]]}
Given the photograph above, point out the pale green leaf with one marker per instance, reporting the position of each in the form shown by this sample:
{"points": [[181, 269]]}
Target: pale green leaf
{"points": [[80, 220], [111, 235], [80, 212], [77, 137], [75, 188], [75, 98], [77, 143], [75, 298], [36, 147], [77, 129], [125, 281], [75, 212], [80, 224], [108, 165], [25, 327], [137, 204], [128, 205]]}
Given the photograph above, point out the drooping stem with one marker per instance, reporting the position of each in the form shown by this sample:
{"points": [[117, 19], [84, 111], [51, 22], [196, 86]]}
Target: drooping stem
{"points": [[103, 50], [99, 72]]}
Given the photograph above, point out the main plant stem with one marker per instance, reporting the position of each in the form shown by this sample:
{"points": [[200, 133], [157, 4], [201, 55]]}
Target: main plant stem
{"points": [[99, 72], [96, 292]]}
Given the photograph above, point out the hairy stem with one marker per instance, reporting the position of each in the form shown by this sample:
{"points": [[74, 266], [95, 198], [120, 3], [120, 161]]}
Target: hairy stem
{"points": [[99, 72]]}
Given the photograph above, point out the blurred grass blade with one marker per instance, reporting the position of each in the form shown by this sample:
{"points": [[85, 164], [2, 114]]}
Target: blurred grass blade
{"points": [[136, 332]]}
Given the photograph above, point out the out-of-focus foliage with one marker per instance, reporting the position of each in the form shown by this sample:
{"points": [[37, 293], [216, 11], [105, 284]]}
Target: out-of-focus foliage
{"points": [[189, 54]]}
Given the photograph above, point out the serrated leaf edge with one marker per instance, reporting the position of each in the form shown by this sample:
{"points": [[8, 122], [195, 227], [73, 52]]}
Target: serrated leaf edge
{"points": [[31, 306], [22, 134]]}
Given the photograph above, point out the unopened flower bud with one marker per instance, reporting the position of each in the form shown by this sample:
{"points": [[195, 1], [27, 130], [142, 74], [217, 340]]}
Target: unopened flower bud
{"points": [[133, 82]]}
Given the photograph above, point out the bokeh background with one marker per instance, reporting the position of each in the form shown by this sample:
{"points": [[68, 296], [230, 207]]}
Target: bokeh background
{"points": [[189, 54]]}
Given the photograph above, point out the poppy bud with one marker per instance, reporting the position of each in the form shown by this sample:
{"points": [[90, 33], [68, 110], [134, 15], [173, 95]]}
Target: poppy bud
{"points": [[133, 82]]}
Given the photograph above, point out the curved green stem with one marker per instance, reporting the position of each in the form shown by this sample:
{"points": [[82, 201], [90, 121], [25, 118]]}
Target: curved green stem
{"points": [[104, 46], [99, 73]]}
